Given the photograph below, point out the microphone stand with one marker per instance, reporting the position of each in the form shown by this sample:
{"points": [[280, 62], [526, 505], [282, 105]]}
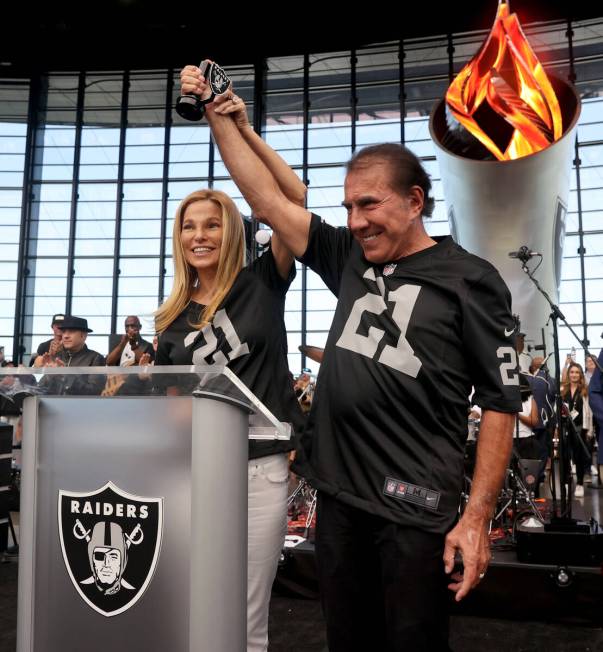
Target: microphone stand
{"points": [[563, 520], [544, 368]]}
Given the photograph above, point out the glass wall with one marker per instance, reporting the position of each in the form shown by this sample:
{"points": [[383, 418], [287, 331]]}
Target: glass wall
{"points": [[14, 100], [93, 165]]}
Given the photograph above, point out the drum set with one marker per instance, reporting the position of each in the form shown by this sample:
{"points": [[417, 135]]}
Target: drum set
{"points": [[515, 504], [301, 510], [301, 503]]}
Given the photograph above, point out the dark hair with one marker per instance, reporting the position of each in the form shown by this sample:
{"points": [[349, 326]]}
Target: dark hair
{"points": [[405, 169]]}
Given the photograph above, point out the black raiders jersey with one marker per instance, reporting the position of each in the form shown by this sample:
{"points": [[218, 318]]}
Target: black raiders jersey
{"points": [[248, 335], [388, 424]]}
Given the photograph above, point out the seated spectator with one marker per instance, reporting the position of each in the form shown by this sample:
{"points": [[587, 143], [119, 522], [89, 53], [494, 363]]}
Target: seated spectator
{"points": [[74, 353], [53, 345], [10, 410], [131, 347], [13, 390], [130, 384]]}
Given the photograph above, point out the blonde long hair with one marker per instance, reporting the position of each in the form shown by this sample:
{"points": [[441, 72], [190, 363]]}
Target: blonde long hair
{"points": [[230, 263]]}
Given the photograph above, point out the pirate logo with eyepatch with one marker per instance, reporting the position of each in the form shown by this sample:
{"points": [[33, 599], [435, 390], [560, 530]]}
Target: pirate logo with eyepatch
{"points": [[110, 541]]}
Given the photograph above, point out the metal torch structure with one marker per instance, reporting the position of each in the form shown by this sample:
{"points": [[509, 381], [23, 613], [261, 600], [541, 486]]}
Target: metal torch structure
{"points": [[504, 136]]}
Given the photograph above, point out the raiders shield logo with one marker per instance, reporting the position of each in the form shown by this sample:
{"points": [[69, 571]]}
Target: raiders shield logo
{"points": [[217, 78], [110, 541]]}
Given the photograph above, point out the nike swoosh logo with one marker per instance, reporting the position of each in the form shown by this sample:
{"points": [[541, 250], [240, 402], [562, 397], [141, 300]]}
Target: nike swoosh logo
{"points": [[507, 333]]}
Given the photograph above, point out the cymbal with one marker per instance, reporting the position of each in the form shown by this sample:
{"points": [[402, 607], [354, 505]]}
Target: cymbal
{"points": [[313, 352]]}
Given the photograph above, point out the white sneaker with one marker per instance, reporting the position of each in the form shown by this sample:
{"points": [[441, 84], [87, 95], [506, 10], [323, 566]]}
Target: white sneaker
{"points": [[594, 470], [579, 491]]}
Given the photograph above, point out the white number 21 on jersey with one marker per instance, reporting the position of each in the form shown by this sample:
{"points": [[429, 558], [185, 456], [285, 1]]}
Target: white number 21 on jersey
{"points": [[401, 356]]}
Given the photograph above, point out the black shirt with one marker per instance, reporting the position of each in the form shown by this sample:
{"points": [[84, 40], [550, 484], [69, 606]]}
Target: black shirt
{"points": [[575, 405], [248, 335], [388, 425], [543, 390], [43, 348], [76, 385]]}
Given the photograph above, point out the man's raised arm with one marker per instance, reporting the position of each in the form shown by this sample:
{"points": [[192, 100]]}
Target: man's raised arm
{"points": [[261, 191]]}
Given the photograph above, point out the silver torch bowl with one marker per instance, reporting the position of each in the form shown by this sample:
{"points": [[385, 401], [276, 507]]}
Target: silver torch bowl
{"points": [[494, 207]]}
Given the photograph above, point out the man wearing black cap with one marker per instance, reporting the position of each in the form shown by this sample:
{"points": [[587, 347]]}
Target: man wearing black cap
{"points": [[52, 345]]}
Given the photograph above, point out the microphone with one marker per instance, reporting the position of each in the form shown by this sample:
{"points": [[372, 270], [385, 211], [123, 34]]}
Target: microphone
{"points": [[262, 237], [523, 253], [543, 367]]}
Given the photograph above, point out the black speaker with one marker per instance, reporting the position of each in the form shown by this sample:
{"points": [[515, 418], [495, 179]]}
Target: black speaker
{"points": [[580, 544]]}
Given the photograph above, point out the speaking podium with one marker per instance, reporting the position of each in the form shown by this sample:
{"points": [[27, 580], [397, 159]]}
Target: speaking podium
{"points": [[133, 532]]}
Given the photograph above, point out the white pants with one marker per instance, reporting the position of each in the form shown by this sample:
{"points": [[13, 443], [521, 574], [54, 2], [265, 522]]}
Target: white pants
{"points": [[266, 528]]}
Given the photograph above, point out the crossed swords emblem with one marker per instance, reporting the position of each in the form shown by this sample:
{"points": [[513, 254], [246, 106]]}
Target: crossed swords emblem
{"points": [[80, 532]]}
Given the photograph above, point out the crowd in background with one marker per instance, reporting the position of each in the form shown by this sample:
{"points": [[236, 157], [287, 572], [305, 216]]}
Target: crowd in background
{"points": [[536, 423], [582, 397]]}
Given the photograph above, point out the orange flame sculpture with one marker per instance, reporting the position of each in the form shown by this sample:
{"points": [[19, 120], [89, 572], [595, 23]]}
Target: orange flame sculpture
{"points": [[503, 96]]}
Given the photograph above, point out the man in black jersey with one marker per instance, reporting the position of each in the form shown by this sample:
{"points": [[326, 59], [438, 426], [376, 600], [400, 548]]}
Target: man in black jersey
{"points": [[419, 321]]}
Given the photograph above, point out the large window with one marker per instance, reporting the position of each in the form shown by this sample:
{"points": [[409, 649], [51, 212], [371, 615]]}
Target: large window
{"points": [[93, 165], [14, 98]]}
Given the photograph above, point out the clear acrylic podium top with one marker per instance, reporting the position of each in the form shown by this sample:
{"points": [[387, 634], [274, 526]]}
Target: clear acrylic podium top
{"points": [[215, 382]]}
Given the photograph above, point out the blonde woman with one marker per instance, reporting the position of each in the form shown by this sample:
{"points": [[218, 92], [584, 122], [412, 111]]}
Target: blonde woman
{"points": [[237, 312]]}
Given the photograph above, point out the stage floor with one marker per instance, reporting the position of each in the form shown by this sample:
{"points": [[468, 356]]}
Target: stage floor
{"points": [[296, 626]]}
